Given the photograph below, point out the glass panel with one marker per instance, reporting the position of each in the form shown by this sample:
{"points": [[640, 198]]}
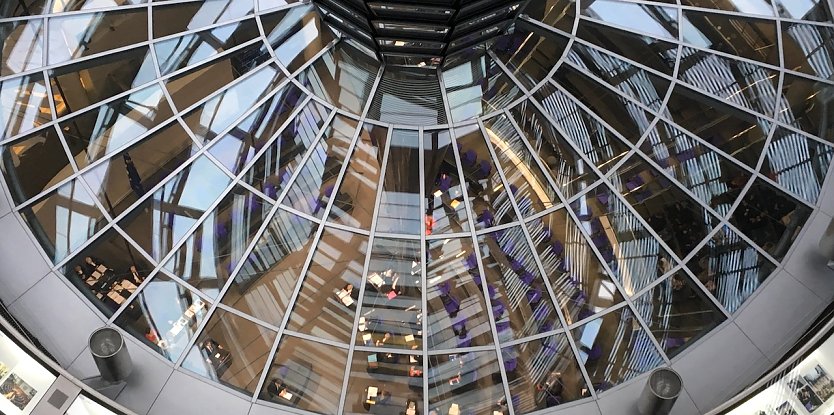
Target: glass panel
{"points": [[353, 206], [86, 83], [97, 133], [445, 211], [656, 21], [770, 218], [162, 220], [399, 203], [296, 35], [265, 284], [488, 199], [590, 136], [22, 46], [272, 171], [181, 52], [762, 7], [394, 100], [343, 76], [326, 303], [677, 312], [568, 170], [466, 383], [75, 5], [737, 133], [742, 83], [809, 106], [314, 185], [79, 35], [555, 13], [63, 219], [730, 268], [809, 9], [581, 285], [544, 374], [477, 87], [174, 18], [632, 253], [627, 118], [189, 87], [530, 52], [654, 53], [457, 311], [614, 349], [17, 9], [711, 177], [809, 48], [306, 375], [23, 105], [108, 271], [797, 163], [392, 304], [130, 173], [164, 316], [679, 220], [215, 248], [384, 383], [518, 295], [737, 35], [221, 110], [528, 183], [232, 351], [34, 163]]}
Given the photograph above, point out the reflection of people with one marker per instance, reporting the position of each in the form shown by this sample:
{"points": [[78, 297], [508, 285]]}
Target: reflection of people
{"points": [[384, 339]]}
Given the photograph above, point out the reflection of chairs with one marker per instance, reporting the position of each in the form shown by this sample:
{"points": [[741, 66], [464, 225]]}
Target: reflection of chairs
{"points": [[468, 158]]}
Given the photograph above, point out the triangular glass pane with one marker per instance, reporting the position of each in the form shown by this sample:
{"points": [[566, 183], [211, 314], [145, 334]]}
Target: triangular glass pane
{"points": [[392, 311], [326, 304], [166, 217], [713, 178], [737, 133], [677, 312], [212, 252], [231, 350], [614, 349], [797, 163], [678, 219], [544, 374], [488, 199], [353, 206], [63, 219], [164, 316], [468, 381], [457, 312], [591, 137], [730, 268], [264, 286], [384, 383], [568, 170], [580, 282], [530, 52], [520, 302], [107, 262], [770, 218], [399, 202], [445, 211], [34, 163], [306, 375], [528, 184], [272, 171]]}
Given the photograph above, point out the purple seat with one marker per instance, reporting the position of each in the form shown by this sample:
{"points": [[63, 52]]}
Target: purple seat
{"points": [[534, 296], [451, 304], [515, 265], [491, 291], [510, 364], [527, 277], [464, 341], [603, 198], [498, 309], [540, 313], [486, 217], [557, 248], [468, 158], [471, 261], [484, 169], [502, 326], [445, 183], [444, 287]]}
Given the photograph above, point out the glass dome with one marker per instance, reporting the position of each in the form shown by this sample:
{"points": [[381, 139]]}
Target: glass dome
{"points": [[551, 209]]}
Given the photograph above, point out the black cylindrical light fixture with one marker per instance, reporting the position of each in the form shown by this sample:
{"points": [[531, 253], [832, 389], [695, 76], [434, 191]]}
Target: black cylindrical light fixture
{"points": [[110, 354], [660, 393]]}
